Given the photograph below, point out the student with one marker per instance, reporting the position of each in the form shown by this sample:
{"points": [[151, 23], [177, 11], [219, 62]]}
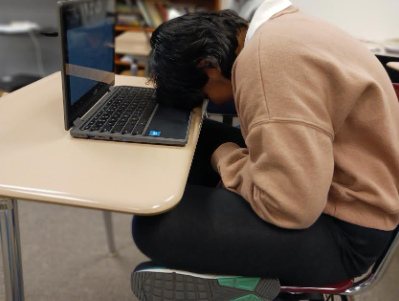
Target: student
{"points": [[311, 185]]}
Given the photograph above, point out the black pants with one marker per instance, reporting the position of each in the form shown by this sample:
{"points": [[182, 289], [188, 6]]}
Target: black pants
{"points": [[216, 231]]}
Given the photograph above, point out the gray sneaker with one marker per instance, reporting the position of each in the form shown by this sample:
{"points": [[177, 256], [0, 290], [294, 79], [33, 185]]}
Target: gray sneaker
{"points": [[161, 284]]}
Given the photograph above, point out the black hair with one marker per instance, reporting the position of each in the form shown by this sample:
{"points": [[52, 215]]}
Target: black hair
{"points": [[183, 47]]}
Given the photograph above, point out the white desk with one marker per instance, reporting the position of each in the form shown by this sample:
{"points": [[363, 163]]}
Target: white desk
{"points": [[134, 44], [393, 65], [40, 161]]}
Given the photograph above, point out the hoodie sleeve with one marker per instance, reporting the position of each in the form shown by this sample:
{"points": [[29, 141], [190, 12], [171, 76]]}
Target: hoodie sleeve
{"points": [[284, 173]]}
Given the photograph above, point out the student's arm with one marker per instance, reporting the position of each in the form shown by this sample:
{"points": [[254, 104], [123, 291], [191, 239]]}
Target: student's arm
{"points": [[285, 173]]}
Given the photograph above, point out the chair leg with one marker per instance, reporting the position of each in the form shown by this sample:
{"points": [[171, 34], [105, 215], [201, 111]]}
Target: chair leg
{"points": [[110, 232]]}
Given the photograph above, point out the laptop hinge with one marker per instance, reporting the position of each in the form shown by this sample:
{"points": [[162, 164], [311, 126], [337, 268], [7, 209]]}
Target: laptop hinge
{"points": [[78, 122]]}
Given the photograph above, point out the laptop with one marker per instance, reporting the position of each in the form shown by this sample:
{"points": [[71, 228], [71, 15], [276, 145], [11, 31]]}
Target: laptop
{"points": [[94, 107]]}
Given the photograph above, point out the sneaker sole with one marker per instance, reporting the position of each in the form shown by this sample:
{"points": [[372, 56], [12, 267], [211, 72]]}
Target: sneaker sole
{"points": [[165, 286]]}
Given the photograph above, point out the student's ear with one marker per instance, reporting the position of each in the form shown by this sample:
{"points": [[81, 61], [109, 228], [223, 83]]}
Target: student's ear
{"points": [[213, 73]]}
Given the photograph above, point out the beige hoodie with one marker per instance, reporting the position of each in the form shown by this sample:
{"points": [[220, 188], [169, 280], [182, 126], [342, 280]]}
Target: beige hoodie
{"points": [[321, 122]]}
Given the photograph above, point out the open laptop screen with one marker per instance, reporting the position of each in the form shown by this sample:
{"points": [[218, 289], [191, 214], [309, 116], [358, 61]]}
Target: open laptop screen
{"points": [[87, 37]]}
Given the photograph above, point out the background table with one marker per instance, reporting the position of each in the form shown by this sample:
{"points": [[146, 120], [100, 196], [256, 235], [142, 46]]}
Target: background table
{"points": [[394, 65], [40, 161], [134, 44]]}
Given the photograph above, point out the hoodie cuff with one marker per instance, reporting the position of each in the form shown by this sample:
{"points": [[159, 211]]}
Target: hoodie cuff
{"points": [[221, 152]]}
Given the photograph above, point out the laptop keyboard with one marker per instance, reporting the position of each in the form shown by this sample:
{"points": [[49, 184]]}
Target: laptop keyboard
{"points": [[127, 112]]}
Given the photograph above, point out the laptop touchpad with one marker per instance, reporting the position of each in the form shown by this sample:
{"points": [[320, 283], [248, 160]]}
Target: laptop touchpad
{"points": [[169, 123]]}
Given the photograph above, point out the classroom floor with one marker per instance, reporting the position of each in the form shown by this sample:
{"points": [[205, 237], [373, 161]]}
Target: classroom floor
{"points": [[65, 257]]}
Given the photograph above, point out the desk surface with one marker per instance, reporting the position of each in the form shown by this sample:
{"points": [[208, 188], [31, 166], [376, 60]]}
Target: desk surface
{"points": [[40, 161], [132, 43], [393, 65]]}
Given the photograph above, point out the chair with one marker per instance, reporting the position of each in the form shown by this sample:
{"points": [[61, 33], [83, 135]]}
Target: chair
{"points": [[349, 287], [396, 87]]}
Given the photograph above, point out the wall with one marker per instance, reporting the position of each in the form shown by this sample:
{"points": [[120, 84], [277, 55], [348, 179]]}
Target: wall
{"points": [[43, 12], [375, 20], [17, 53], [367, 19]]}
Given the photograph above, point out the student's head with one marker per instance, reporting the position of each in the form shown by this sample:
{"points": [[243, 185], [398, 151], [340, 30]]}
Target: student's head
{"points": [[193, 55]]}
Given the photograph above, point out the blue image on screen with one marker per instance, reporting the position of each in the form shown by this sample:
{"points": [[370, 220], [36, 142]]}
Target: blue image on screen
{"points": [[89, 46]]}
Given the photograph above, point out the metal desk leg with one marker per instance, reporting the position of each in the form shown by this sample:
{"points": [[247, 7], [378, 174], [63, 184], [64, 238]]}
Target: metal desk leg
{"points": [[110, 232], [11, 247]]}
